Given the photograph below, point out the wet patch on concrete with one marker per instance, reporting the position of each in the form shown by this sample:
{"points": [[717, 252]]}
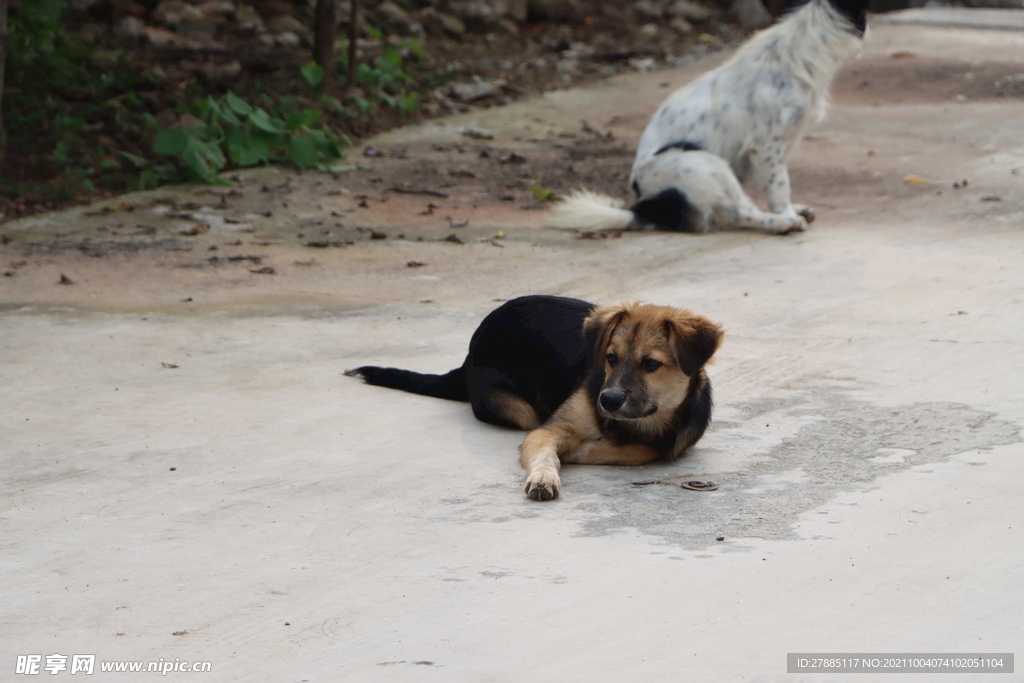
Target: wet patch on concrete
{"points": [[834, 443]]}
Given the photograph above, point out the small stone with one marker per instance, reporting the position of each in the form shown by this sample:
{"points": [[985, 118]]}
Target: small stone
{"points": [[750, 13], [285, 23], [648, 10], [680, 26], [174, 12], [129, 27], [393, 13], [223, 8], [690, 11], [452, 25], [646, 64], [248, 20], [159, 37], [470, 92], [287, 39]]}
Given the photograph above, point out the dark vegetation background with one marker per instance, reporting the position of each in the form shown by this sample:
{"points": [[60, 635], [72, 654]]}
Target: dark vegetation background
{"points": [[106, 96]]}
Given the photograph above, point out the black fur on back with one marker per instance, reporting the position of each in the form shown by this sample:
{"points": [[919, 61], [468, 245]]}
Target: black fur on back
{"points": [[531, 347], [668, 210]]}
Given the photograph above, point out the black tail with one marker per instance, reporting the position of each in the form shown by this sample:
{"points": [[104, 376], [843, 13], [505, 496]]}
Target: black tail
{"points": [[451, 386], [668, 210]]}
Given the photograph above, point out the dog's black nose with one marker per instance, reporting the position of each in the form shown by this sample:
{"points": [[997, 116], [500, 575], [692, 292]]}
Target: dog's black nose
{"points": [[612, 400]]}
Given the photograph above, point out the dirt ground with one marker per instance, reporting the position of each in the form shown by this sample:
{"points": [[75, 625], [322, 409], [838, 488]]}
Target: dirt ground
{"points": [[452, 200]]}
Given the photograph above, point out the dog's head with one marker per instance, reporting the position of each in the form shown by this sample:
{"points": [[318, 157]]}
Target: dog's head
{"points": [[648, 355]]}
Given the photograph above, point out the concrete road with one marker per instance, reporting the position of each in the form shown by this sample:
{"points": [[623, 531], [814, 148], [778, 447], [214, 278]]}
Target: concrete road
{"points": [[195, 481]]}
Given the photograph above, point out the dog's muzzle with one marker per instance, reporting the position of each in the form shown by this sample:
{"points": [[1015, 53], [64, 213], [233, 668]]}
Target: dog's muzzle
{"points": [[615, 404], [611, 401]]}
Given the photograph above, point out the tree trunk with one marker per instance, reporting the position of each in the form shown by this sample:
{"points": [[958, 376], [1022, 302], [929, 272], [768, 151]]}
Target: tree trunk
{"points": [[323, 46], [3, 62], [353, 36]]}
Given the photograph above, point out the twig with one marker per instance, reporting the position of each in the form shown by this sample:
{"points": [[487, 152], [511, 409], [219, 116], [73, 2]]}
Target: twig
{"points": [[413, 190]]}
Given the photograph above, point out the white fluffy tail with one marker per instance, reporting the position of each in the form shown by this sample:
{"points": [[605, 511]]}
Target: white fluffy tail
{"points": [[585, 210]]}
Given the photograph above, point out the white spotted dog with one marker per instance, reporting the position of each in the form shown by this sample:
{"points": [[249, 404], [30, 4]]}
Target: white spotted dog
{"points": [[734, 124]]}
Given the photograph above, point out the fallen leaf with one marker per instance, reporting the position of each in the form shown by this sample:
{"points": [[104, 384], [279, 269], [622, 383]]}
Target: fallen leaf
{"points": [[911, 179], [544, 194]]}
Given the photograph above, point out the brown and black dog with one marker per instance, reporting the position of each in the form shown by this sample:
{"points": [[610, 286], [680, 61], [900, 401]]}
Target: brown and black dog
{"points": [[609, 385]]}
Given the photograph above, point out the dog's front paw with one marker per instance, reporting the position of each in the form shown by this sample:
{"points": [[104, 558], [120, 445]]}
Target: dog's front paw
{"points": [[543, 485], [798, 224], [805, 211]]}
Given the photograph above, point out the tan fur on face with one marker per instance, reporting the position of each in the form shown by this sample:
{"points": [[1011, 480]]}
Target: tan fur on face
{"points": [[636, 332], [676, 338]]}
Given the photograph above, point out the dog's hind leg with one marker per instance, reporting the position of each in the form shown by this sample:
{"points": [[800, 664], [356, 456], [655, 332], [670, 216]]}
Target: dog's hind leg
{"points": [[497, 400], [729, 206], [504, 408]]}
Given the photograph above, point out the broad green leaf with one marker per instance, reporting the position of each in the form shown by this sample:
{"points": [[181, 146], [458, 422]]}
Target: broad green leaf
{"points": [[333, 103], [253, 151], [364, 73], [313, 73], [293, 120], [237, 104], [261, 119], [171, 141], [302, 151], [229, 116], [204, 159], [235, 141]]}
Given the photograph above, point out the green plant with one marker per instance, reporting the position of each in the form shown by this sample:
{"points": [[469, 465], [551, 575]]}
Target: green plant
{"points": [[312, 73], [387, 79], [543, 194], [232, 130]]}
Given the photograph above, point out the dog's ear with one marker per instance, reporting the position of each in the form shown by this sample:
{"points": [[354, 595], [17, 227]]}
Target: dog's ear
{"points": [[696, 340], [598, 326]]}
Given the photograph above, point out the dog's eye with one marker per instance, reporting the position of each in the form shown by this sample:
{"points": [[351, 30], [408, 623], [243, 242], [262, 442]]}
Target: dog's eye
{"points": [[650, 365], [612, 359]]}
